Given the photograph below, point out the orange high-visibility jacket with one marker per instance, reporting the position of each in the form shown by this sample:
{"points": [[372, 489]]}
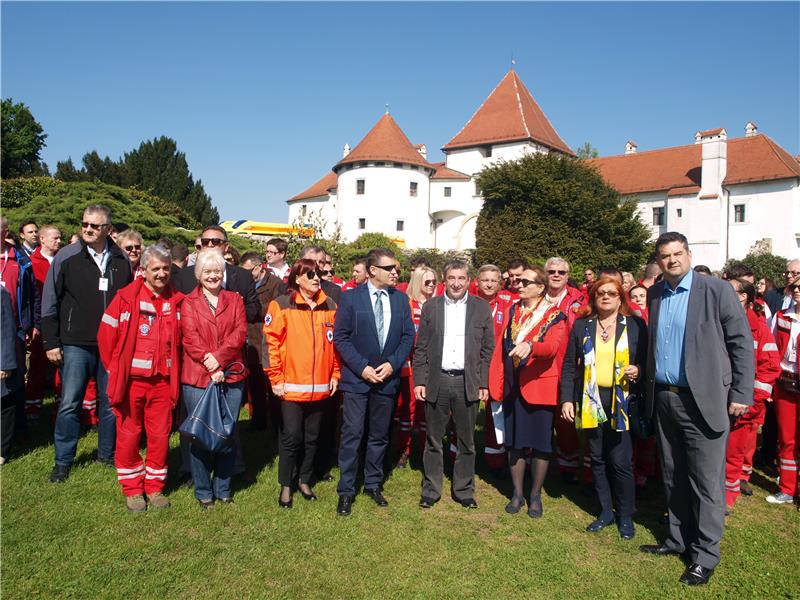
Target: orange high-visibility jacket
{"points": [[300, 346]]}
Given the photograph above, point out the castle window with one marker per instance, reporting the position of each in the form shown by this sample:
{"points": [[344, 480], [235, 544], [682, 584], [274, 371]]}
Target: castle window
{"points": [[412, 190], [362, 223], [448, 191], [658, 216], [739, 213], [680, 212], [360, 187], [400, 225]]}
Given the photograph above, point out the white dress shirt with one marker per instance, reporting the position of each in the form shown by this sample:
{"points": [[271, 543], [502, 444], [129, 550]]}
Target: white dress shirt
{"points": [[100, 258], [455, 330], [387, 308]]}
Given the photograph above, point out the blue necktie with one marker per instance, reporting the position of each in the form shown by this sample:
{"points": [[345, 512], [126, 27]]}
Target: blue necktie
{"points": [[379, 316]]}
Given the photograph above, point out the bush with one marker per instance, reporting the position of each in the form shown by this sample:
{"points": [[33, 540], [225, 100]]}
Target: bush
{"points": [[763, 265]]}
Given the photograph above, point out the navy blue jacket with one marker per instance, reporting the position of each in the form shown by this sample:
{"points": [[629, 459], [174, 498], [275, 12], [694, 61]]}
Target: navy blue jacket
{"points": [[356, 339], [11, 359]]}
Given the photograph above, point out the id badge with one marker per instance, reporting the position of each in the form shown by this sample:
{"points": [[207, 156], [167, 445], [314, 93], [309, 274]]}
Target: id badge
{"points": [[102, 284]]}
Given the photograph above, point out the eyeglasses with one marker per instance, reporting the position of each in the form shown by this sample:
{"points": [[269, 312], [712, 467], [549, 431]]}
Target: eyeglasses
{"points": [[388, 268], [609, 293], [132, 247], [554, 271], [312, 275], [211, 241], [429, 282], [792, 273], [793, 288], [95, 226], [273, 252], [527, 282]]}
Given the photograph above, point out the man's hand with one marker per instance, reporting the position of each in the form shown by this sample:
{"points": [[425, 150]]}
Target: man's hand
{"points": [[277, 389], [334, 385], [210, 363], [218, 377], [483, 394], [419, 392], [5, 374], [737, 410], [568, 411], [384, 371], [368, 374], [631, 372], [31, 337], [520, 351], [55, 356]]}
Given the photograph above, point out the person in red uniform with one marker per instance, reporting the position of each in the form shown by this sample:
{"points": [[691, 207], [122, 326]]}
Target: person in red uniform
{"points": [[744, 431], [786, 396], [568, 300], [359, 275], [139, 343], [410, 414], [514, 269]]}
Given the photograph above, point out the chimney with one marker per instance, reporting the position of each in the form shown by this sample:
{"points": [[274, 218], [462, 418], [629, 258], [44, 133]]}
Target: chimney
{"points": [[346, 150], [750, 129], [715, 162], [630, 147], [423, 151]]}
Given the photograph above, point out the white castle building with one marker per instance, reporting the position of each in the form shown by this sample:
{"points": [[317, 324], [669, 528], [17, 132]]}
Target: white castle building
{"points": [[724, 206]]}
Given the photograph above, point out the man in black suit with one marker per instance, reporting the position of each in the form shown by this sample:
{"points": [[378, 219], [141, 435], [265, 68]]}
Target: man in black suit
{"points": [[317, 253], [700, 376], [451, 375]]}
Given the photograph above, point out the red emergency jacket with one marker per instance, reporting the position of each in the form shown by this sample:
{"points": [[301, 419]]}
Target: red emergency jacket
{"points": [[500, 305], [222, 334], [783, 331], [572, 301], [116, 340], [768, 361]]}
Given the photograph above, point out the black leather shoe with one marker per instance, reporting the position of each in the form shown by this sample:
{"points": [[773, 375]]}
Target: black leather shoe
{"points": [[106, 462], [311, 496], [696, 575], [377, 497], [326, 477], [287, 504], [658, 550], [427, 502], [599, 524], [60, 474], [468, 503], [345, 506], [745, 489]]}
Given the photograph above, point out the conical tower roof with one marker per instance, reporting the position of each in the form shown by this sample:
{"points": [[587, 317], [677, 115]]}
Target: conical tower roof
{"points": [[385, 142], [509, 114]]}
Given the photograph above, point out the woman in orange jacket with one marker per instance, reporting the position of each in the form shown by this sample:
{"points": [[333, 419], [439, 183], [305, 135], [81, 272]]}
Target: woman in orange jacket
{"points": [[303, 369]]}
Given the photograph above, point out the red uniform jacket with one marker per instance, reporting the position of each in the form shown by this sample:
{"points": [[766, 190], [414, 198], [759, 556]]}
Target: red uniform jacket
{"points": [[500, 304], [768, 361], [222, 335], [116, 340], [783, 329], [570, 303], [40, 267]]}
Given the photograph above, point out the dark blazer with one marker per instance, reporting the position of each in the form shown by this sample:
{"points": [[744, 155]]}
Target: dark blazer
{"points": [[332, 291], [356, 339], [11, 358], [774, 299], [478, 347], [571, 387], [718, 349], [271, 287], [236, 280]]}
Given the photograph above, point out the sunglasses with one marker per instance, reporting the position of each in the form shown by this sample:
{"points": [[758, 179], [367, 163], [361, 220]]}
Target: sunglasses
{"points": [[132, 247], [429, 282], [388, 268], [793, 288], [211, 241], [609, 293], [554, 271], [527, 282], [324, 272], [312, 275], [95, 226]]}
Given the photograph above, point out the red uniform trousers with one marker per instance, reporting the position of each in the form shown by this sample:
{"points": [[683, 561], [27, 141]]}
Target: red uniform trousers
{"points": [[787, 414], [149, 406], [410, 416], [644, 459], [741, 442]]}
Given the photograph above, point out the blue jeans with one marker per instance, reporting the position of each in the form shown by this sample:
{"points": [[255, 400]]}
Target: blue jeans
{"points": [[81, 363], [203, 461]]}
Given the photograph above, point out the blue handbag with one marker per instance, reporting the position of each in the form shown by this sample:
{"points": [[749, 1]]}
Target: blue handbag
{"points": [[211, 423]]}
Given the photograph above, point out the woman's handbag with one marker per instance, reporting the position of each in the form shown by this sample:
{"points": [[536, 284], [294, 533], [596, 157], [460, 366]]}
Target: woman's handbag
{"points": [[211, 423], [640, 424]]}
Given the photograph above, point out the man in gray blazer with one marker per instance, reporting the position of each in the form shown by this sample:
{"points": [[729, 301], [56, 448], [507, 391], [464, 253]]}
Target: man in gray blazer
{"points": [[700, 375], [451, 375]]}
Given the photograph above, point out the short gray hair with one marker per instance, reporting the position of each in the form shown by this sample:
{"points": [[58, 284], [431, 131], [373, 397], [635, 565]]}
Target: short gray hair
{"points": [[455, 265], [99, 208], [130, 234], [493, 268], [555, 260], [206, 256], [156, 251]]}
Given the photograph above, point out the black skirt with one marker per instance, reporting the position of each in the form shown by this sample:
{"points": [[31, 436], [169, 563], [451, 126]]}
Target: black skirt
{"points": [[528, 425]]}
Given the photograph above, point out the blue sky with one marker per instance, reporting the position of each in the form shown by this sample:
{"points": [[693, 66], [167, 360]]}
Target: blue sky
{"points": [[262, 96]]}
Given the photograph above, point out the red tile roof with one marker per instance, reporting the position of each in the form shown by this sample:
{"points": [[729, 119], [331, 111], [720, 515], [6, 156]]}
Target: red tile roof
{"points": [[385, 142], [443, 172], [755, 158], [509, 114], [709, 132], [320, 188]]}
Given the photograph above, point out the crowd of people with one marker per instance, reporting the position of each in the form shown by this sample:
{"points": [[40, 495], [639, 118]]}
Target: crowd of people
{"points": [[614, 380]]}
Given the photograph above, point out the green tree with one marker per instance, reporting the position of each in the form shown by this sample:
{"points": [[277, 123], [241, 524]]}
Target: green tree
{"points": [[547, 205], [66, 171], [587, 151], [763, 264], [21, 143]]}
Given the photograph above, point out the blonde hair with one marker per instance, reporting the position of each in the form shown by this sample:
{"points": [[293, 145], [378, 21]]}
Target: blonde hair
{"points": [[208, 256], [418, 277]]}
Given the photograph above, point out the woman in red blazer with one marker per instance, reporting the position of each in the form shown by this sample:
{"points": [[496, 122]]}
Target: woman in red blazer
{"points": [[533, 348], [214, 328]]}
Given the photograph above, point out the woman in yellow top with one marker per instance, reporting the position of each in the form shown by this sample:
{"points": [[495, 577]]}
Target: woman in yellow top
{"points": [[605, 361]]}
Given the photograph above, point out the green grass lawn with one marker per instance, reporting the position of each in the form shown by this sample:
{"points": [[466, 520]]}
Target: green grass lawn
{"points": [[77, 540]]}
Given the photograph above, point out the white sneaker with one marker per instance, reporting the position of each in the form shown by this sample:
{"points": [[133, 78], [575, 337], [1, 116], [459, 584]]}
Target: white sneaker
{"points": [[780, 498]]}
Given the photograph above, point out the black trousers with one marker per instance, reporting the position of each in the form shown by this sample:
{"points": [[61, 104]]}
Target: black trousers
{"points": [[299, 435], [451, 400], [693, 464], [611, 453], [8, 411]]}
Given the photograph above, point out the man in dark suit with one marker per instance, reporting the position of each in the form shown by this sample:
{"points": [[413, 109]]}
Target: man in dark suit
{"points": [[451, 375], [317, 254], [700, 375], [374, 335], [778, 299]]}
